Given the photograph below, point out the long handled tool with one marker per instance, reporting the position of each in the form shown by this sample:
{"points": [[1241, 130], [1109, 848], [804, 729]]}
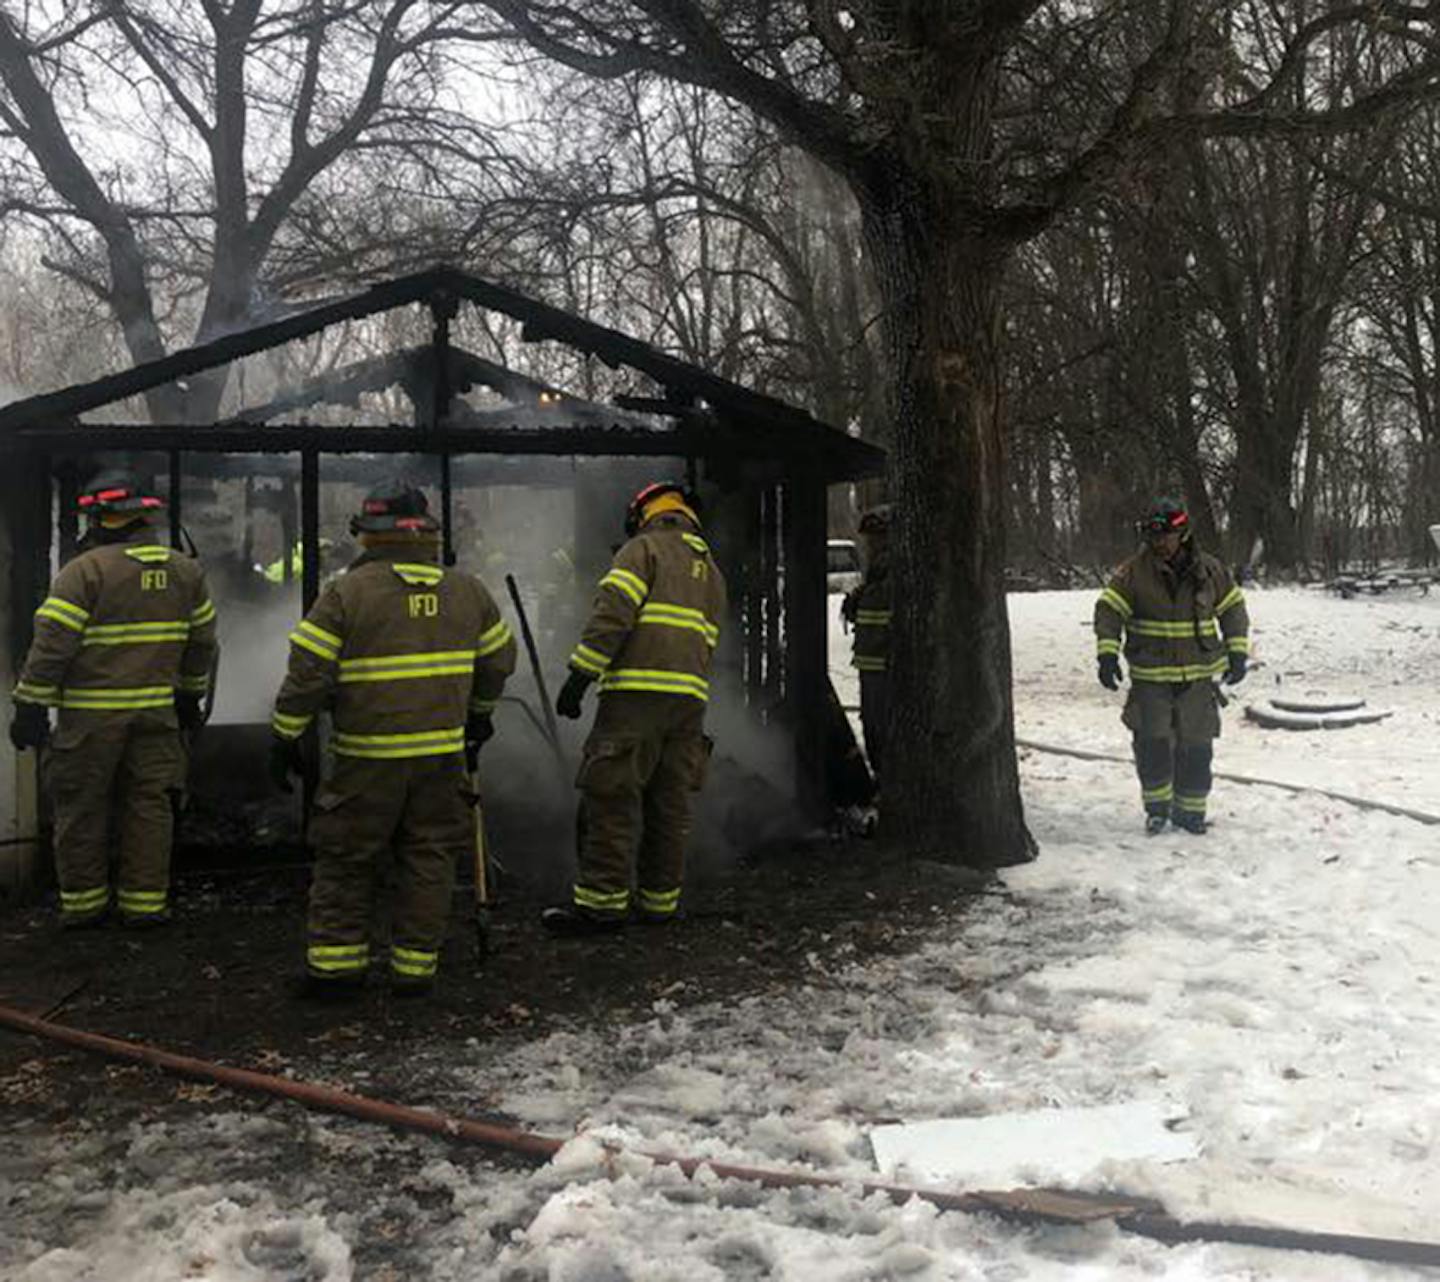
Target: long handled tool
{"points": [[482, 871], [549, 712]]}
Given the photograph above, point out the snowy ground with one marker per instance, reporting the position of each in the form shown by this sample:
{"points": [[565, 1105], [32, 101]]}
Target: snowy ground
{"points": [[1277, 983]]}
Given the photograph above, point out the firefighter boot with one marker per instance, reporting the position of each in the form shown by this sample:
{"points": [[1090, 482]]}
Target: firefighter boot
{"points": [[570, 922], [1155, 824], [1190, 821]]}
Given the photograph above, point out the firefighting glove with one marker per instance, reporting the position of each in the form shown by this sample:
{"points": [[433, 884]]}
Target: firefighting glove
{"points": [[568, 704], [31, 726], [1110, 675], [478, 731], [285, 760], [188, 711], [1238, 663], [850, 605]]}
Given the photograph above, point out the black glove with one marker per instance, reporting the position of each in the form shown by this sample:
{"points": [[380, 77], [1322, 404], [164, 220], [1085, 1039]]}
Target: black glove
{"points": [[31, 726], [188, 711], [850, 605], [1110, 674], [568, 704], [1238, 663], [479, 730], [285, 760]]}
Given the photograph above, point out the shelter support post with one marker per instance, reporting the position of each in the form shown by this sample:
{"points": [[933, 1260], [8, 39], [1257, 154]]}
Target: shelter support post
{"points": [[806, 633], [309, 527], [175, 514]]}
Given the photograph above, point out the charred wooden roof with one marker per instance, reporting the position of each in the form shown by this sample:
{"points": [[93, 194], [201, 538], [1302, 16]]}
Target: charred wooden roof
{"points": [[695, 413]]}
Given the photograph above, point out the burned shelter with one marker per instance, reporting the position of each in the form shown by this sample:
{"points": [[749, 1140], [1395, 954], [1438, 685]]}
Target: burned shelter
{"points": [[466, 427]]}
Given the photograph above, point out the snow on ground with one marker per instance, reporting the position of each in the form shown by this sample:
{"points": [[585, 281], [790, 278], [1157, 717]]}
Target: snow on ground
{"points": [[1277, 982]]}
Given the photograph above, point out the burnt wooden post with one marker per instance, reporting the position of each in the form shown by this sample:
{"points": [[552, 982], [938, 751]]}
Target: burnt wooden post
{"points": [[27, 493], [309, 528], [770, 603], [67, 509], [806, 649], [175, 517], [443, 307], [287, 531]]}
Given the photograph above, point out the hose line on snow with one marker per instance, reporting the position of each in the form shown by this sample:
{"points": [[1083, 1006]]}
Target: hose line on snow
{"points": [[1030, 1206]]}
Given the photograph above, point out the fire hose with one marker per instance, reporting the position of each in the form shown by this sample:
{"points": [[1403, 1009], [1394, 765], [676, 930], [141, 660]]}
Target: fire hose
{"points": [[1141, 1216]]}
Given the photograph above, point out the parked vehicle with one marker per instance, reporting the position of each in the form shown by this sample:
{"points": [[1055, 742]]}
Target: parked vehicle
{"points": [[842, 565]]}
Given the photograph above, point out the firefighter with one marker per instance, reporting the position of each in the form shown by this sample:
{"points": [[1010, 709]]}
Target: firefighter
{"points": [[648, 643], [1184, 622], [124, 647], [410, 659], [867, 609]]}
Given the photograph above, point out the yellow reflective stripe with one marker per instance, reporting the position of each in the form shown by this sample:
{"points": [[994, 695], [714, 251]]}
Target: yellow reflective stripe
{"points": [[316, 640], [406, 667], [664, 619], [1230, 600], [63, 612], [1192, 803], [659, 901], [1238, 645], [1173, 628], [632, 585], [418, 574], [415, 962], [380, 747], [29, 692], [148, 553], [1163, 793], [493, 639], [337, 957], [869, 663], [873, 618], [602, 900], [696, 542], [290, 725], [117, 698], [1179, 673], [591, 661], [1107, 645], [157, 633], [202, 614], [194, 685], [79, 901], [1116, 602], [656, 679], [142, 901], [483, 705]]}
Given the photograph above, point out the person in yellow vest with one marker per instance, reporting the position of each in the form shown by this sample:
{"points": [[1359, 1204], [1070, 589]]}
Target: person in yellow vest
{"points": [[1184, 622], [648, 644], [410, 660], [124, 646]]}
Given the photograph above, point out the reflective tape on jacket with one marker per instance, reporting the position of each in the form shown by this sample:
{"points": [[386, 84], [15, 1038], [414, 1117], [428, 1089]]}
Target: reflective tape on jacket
{"points": [[1230, 600], [1179, 673], [289, 725], [660, 614], [590, 660], [872, 618], [1107, 645], [1122, 607], [627, 584], [29, 692], [68, 615], [148, 554], [194, 685], [870, 663], [116, 698], [202, 614], [408, 667], [1173, 629], [492, 639], [149, 633], [318, 641], [424, 743], [656, 680], [417, 574], [1238, 645]]}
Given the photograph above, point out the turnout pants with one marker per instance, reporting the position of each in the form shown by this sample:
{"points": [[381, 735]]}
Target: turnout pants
{"points": [[1174, 726], [875, 716], [418, 809], [114, 775], [645, 756]]}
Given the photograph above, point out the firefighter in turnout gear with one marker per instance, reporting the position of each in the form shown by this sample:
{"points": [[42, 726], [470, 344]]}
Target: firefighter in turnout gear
{"points": [[649, 641], [867, 609], [410, 660], [1184, 622], [124, 647]]}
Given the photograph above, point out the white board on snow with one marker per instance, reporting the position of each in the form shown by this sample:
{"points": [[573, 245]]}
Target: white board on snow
{"points": [[1050, 1146]]}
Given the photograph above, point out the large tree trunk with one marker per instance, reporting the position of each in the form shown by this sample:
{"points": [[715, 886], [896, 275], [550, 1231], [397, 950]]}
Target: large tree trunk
{"points": [[952, 788]]}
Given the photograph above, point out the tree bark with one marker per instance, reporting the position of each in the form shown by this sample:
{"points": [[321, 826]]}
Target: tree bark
{"points": [[952, 782]]}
